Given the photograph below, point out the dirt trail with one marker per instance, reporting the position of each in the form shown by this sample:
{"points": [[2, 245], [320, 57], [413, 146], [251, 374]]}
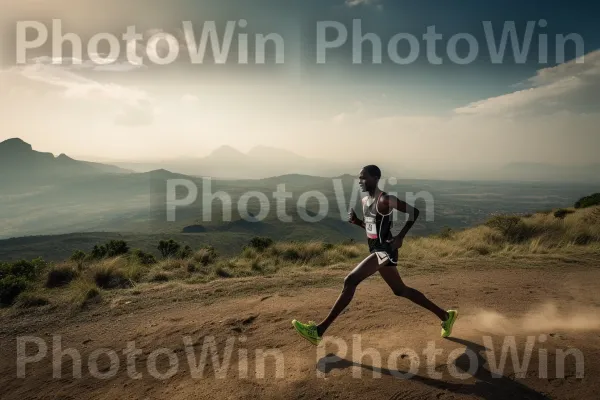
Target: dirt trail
{"points": [[547, 311]]}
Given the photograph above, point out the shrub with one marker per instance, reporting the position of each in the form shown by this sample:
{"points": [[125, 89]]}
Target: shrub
{"points": [[28, 300], [28, 270], [191, 268], [85, 293], [255, 266], [78, 256], [186, 252], [98, 252], [446, 233], [512, 227], [11, 286], [5, 269], [561, 213], [112, 248], [588, 201], [159, 277], [60, 276], [260, 243], [144, 258], [168, 248], [206, 255], [110, 278], [222, 272], [291, 255], [116, 248]]}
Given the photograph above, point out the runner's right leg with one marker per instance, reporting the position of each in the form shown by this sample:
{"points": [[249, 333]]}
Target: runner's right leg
{"points": [[366, 268], [391, 276]]}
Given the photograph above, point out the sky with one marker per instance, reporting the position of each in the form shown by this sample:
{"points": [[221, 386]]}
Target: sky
{"points": [[458, 101]]}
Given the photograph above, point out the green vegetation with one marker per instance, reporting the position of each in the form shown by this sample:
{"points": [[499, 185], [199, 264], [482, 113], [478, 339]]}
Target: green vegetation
{"points": [[85, 278], [111, 249], [588, 201], [17, 277], [562, 212], [61, 275]]}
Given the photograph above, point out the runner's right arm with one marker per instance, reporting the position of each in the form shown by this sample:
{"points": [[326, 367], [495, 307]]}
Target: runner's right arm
{"points": [[353, 219]]}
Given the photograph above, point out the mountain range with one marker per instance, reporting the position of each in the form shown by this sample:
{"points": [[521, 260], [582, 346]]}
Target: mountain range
{"points": [[19, 161], [43, 194]]}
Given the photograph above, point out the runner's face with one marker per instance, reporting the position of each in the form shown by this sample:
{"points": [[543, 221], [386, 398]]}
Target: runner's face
{"points": [[366, 182]]}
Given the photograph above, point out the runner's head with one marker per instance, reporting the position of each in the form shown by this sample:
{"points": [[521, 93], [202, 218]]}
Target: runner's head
{"points": [[369, 178]]}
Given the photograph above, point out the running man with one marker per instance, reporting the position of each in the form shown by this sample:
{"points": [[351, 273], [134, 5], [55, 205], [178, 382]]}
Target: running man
{"points": [[383, 246]]}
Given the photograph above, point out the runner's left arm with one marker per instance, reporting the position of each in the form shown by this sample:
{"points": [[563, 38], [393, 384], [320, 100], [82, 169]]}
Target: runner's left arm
{"points": [[395, 203]]}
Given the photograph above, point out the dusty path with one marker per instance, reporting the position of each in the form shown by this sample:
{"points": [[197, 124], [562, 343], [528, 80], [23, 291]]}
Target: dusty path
{"points": [[496, 306]]}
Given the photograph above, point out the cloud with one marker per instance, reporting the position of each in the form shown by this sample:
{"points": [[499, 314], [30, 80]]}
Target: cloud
{"points": [[588, 65], [50, 75], [77, 64], [555, 120], [354, 3], [574, 86]]}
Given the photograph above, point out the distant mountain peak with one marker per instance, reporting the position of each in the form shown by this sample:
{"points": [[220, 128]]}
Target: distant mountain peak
{"points": [[15, 145], [63, 156], [226, 151]]}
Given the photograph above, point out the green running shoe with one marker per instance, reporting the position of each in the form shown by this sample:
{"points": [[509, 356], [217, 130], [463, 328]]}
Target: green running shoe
{"points": [[307, 331], [447, 325]]}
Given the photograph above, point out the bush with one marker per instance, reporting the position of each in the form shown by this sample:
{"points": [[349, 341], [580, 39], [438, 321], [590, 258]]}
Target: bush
{"points": [[11, 286], [206, 256], [588, 201], [116, 248], [168, 248], [28, 270], [186, 252], [512, 227], [222, 272], [260, 243], [144, 258], [60, 276], [111, 278], [78, 256], [28, 300], [291, 255], [98, 252], [112, 248], [159, 277], [561, 213], [85, 293], [446, 233]]}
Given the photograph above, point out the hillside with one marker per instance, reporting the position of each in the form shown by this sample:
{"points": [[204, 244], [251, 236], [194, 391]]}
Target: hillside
{"points": [[21, 165], [564, 232], [520, 279], [135, 203]]}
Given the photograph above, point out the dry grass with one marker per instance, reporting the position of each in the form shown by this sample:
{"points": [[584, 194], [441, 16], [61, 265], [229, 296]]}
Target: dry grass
{"points": [[541, 233], [84, 293], [544, 234]]}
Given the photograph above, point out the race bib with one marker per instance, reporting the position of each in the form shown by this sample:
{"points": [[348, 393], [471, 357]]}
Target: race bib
{"points": [[371, 227]]}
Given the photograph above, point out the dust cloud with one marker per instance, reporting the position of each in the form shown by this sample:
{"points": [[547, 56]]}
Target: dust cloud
{"points": [[546, 318]]}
